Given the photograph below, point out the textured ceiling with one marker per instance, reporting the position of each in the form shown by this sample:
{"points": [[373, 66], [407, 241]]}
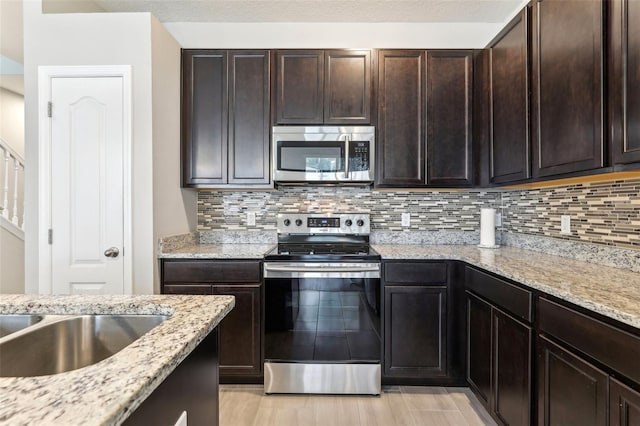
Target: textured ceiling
{"points": [[485, 11]]}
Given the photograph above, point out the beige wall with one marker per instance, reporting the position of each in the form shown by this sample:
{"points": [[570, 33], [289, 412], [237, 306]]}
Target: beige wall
{"points": [[12, 120], [174, 208], [11, 262]]}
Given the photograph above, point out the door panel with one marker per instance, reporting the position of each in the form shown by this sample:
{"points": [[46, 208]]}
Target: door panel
{"points": [[249, 117], [479, 347], [625, 405], [347, 91], [511, 369], [87, 178], [204, 120], [416, 331], [401, 104], [299, 87], [449, 117], [570, 390], [567, 86], [624, 81]]}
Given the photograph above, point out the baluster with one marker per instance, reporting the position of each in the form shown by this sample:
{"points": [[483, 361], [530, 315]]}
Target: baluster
{"points": [[16, 169], [5, 203]]}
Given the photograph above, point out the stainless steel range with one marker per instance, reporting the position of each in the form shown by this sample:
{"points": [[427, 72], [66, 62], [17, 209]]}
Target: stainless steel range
{"points": [[322, 307]]}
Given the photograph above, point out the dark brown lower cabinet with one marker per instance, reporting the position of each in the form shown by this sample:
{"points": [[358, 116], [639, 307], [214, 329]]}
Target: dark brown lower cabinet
{"points": [[499, 361], [479, 347], [192, 388], [512, 346], [625, 405], [241, 359], [415, 328], [240, 333], [571, 391]]}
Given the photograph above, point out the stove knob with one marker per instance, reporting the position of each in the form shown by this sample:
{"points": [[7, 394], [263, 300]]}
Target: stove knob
{"points": [[286, 222], [298, 222], [360, 222], [348, 222]]}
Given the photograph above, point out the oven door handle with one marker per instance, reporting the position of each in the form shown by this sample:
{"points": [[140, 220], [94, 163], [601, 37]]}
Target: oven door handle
{"points": [[321, 269], [309, 271]]}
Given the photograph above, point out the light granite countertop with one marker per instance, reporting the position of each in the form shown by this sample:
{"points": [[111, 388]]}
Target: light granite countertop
{"points": [[612, 292], [106, 392], [217, 251]]}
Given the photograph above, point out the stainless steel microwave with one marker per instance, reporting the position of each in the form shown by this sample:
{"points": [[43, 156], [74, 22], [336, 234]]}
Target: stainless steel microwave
{"points": [[323, 154]]}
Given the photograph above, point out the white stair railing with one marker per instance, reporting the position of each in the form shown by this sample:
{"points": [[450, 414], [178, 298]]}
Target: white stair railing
{"points": [[12, 199]]}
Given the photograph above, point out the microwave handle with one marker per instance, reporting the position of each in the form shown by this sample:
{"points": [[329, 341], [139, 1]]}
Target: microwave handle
{"points": [[346, 156]]}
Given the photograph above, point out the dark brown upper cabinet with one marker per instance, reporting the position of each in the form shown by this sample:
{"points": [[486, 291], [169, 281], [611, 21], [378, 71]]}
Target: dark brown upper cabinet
{"points": [[204, 117], [624, 81], [299, 86], [449, 117], [317, 86], [425, 105], [567, 83], [508, 77], [347, 86], [401, 111], [225, 118]]}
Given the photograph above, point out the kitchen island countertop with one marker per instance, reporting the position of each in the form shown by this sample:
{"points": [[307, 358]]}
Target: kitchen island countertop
{"points": [[106, 393], [612, 292]]}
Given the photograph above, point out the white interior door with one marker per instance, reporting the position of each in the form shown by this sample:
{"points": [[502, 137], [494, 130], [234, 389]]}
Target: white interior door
{"points": [[87, 191]]}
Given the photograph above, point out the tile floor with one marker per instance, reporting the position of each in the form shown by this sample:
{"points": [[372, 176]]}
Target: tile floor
{"points": [[246, 405]]}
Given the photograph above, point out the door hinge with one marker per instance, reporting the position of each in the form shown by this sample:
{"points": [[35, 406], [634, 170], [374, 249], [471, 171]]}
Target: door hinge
{"points": [[50, 236], [49, 109]]}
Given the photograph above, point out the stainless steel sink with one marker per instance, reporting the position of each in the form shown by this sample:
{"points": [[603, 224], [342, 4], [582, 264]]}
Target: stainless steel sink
{"points": [[68, 343], [10, 323]]}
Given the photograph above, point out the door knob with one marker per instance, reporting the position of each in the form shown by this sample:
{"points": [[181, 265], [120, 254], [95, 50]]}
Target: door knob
{"points": [[112, 252]]}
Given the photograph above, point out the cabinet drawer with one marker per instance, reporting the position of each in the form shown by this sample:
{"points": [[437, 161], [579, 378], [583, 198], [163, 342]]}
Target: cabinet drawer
{"points": [[187, 289], [416, 272], [211, 271], [611, 346], [512, 298]]}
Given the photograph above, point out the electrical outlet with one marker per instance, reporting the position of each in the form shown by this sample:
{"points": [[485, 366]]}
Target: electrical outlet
{"points": [[406, 219], [565, 224], [251, 218], [498, 220]]}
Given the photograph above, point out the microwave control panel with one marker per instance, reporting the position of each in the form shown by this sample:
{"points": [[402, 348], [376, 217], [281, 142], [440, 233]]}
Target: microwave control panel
{"points": [[359, 156]]}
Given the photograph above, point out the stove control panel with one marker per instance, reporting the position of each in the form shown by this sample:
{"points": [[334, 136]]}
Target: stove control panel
{"points": [[323, 223]]}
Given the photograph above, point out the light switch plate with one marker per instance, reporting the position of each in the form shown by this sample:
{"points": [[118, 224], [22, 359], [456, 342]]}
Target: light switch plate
{"points": [[498, 220], [565, 224], [406, 219], [251, 218]]}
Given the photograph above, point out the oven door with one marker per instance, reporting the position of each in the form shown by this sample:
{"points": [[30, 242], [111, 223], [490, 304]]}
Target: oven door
{"points": [[322, 328]]}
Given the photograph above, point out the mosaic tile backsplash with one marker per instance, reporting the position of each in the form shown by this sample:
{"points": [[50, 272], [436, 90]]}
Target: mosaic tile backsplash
{"points": [[606, 213], [601, 212], [430, 211]]}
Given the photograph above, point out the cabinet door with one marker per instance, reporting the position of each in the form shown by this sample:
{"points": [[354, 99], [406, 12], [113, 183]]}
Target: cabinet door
{"points": [[625, 405], [512, 345], [204, 117], [415, 331], [567, 86], [449, 117], [624, 81], [249, 117], [479, 347], [509, 102], [240, 332], [299, 86], [570, 390], [347, 87], [401, 118]]}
